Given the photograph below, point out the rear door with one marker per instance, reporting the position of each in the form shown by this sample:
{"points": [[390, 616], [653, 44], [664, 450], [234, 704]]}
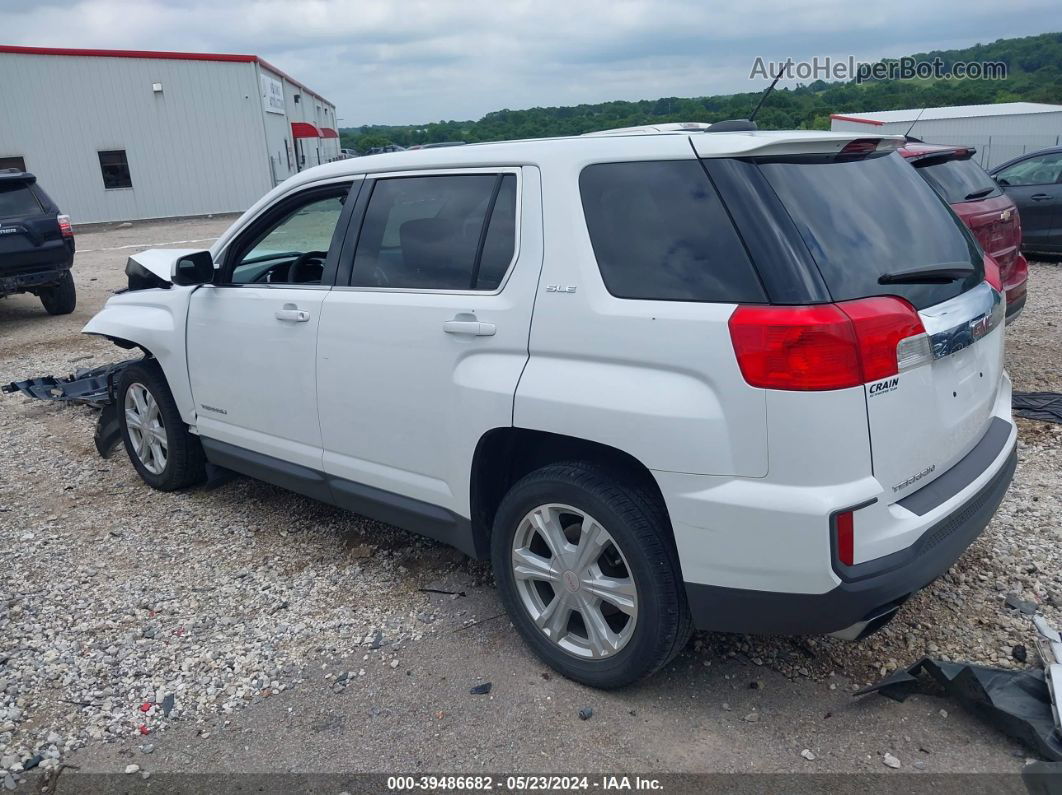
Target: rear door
{"points": [[423, 339], [1034, 186], [30, 238], [866, 220]]}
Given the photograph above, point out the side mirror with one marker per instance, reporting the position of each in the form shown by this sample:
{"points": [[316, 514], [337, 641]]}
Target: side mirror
{"points": [[195, 268]]}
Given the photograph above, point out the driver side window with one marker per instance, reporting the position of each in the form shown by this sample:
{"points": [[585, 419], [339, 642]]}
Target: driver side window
{"points": [[292, 250], [1042, 170]]}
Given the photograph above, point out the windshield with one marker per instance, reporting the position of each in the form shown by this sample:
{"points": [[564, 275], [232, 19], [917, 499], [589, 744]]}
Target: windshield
{"points": [[864, 219], [957, 180]]}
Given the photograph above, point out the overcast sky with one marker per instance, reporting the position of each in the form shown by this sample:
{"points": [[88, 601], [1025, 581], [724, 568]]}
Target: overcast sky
{"points": [[408, 61]]}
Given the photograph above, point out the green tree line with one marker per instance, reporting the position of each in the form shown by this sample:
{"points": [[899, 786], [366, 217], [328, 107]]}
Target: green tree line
{"points": [[1034, 74]]}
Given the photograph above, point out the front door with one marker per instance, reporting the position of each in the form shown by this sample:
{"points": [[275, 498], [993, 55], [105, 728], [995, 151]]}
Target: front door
{"points": [[1033, 185], [252, 336], [422, 345]]}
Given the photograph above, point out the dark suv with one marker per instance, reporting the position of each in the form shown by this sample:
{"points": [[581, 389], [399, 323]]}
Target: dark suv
{"points": [[36, 244]]}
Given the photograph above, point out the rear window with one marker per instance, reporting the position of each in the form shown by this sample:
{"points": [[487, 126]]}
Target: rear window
{"points": [[16, 198], [862, 219], [957, 180], [660, 232]]}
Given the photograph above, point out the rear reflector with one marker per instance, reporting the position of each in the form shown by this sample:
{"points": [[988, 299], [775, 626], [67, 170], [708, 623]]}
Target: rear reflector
{"points": [[828, 346], [844, 524], [64, 225]]}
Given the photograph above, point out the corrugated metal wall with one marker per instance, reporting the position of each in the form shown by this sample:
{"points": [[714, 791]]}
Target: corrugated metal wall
{"points": [[197, 147], [997, 138]]}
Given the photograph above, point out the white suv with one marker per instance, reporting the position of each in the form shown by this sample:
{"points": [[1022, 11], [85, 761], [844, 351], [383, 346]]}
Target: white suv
{"points": [[740, 381]]}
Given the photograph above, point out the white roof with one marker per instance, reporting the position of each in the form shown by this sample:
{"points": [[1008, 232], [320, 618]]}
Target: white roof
{"points": [[954, 112], [638, 144]]}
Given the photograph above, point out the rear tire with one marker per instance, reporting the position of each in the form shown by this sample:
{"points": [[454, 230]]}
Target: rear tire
{"points": [[162, 450], [606, 623], [61, 299]]}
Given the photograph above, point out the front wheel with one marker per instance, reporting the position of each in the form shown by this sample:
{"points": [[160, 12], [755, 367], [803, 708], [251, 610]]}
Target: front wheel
{"points": [[61, 299], [163, 452], [589, 575]]}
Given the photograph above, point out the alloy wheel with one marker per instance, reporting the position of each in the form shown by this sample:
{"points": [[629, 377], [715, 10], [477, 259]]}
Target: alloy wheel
{"points": [[146, 430], [574, 581]]}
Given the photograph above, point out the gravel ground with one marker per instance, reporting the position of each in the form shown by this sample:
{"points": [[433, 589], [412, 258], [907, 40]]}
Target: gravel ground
{"points": [[123, 610]]}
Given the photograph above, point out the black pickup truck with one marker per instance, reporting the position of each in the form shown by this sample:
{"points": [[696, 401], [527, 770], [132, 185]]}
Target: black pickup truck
{"points": [[36, 244]]}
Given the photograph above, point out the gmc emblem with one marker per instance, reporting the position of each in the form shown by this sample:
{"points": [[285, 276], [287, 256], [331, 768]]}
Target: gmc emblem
{"points": [[979, 327]]}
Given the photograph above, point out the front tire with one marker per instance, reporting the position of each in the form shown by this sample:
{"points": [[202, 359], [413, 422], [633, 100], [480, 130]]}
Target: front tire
{"points": [[61, 299], [589, 575], [163, 452]]}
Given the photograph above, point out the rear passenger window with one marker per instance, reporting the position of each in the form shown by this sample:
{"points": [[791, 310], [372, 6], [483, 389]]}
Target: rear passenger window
{"points": [[660, 231], [452, 232]]}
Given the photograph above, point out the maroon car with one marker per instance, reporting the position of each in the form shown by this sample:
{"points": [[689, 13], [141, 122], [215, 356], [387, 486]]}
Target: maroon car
{"points": [[982, 205]]}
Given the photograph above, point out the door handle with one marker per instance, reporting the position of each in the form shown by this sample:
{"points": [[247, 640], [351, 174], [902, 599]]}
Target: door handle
{"points": [[293, 314], [1039, 197], [472, 328]]}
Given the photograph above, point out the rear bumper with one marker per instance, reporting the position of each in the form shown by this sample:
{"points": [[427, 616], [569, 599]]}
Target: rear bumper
{"points": [[32, 278], [1015, 305], [859, 600]]}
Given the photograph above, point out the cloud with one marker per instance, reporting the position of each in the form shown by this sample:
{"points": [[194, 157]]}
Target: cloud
{"points": [[383, 61]]}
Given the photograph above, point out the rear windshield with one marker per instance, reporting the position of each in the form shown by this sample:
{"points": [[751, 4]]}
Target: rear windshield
{"points": [[862, 219], [17, 199], [958, 180]]}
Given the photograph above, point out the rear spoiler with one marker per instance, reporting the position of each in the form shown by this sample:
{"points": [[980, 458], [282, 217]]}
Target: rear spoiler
{"points": [[14, 175], [928, 158], [769, 144]]}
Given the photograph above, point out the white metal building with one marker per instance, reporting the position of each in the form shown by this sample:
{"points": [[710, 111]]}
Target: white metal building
{"points": [[122, 135], [999, 132]]}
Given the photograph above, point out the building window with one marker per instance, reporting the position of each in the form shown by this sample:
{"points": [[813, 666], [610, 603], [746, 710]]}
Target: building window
{"points": [[115, 169], [16, 162]]}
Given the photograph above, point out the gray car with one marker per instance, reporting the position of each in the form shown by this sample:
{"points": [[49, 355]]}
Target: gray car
{"points": [[1034, 182]]}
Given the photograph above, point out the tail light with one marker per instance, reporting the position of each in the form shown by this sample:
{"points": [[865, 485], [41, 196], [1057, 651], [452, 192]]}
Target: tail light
{"points": [[64, 225], [992, 275], [829, 346], [844, 527]]}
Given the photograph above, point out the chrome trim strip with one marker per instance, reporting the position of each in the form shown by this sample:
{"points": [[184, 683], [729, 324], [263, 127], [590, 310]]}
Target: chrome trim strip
{"points": [[961, 321]]}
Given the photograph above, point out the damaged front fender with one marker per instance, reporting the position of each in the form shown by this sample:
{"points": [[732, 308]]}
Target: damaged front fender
{"points": [[153, 320]]}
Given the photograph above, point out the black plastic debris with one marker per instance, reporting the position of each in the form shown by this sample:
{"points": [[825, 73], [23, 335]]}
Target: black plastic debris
{"points": [[92, 386], [1015, 702], [1046, 406], [167, 704], [586, 713], [481, 690]]}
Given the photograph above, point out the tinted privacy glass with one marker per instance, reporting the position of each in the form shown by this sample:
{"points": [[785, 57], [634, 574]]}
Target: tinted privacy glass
{"points": [[431, 233], [659, 231], [500, 242], [862, 219], [17, 199], [958, 180]]}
